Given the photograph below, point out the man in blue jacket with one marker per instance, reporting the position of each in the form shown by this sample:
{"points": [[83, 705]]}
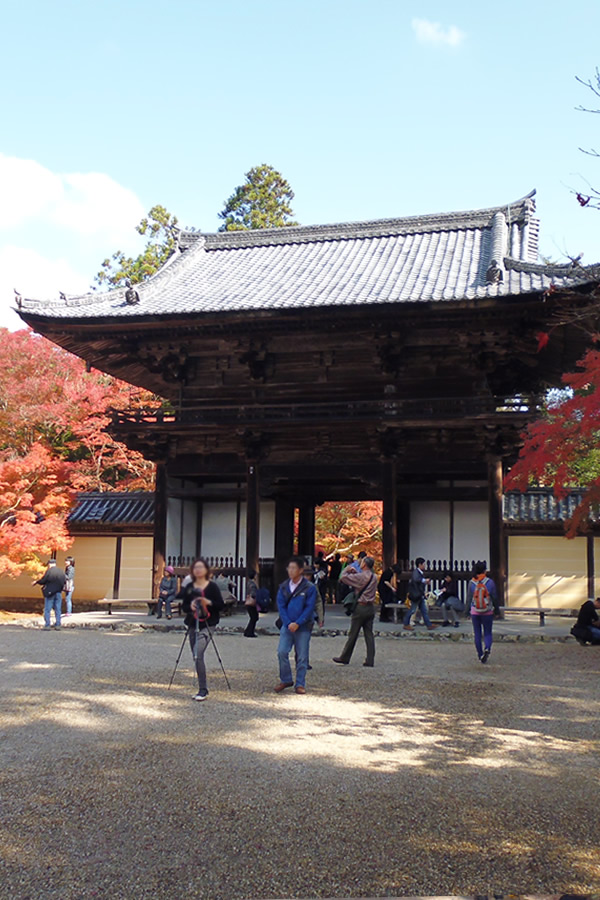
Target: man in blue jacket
{"points": [[296, 599]]}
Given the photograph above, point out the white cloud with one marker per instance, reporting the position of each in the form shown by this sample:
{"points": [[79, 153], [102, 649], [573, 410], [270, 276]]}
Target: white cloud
{"points": [[434, 33], [90, 203], [33, 276], [55, 226]]}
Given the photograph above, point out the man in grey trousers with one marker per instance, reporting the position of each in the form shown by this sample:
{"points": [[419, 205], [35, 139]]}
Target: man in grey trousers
{"points": [[364, 584]]}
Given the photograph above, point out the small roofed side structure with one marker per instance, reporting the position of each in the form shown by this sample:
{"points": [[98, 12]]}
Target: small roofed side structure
{"points": [[545, 569], [106, 513], [112, 548]]}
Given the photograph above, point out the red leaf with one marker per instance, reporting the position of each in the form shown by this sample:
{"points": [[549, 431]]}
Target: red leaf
{"points": [[542, 338]]}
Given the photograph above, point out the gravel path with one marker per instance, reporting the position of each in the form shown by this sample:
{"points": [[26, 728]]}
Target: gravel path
{"points": [[427, 775]]}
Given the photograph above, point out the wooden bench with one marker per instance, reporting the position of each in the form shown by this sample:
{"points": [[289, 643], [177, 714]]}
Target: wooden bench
{"points": [[149, 603], [536, 610], [176, 605], [397, 607]]}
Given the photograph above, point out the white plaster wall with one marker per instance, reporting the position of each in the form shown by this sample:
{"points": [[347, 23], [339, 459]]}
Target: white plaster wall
{"points": [[218, 529], [429, 529], [471, 530], [173, 526], [190, 522], [267, 529]]}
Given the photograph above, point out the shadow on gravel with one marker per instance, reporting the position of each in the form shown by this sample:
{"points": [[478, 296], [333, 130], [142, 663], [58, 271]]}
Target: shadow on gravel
{"points": [[386, 782]]}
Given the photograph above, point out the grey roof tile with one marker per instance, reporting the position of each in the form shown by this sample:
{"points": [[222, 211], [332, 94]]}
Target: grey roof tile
{"points": [[417, 259], [132, 508]]}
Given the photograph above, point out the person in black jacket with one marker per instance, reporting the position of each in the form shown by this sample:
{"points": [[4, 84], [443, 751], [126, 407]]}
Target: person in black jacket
{"points": [[201, 602], [450, 602], [52, 583], [587, 627]]}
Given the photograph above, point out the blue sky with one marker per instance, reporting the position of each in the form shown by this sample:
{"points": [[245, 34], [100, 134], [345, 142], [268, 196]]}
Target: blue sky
{"points": [[370, 109]]}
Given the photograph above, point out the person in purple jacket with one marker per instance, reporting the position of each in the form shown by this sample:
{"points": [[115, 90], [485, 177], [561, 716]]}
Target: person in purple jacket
{"points": [[296, 599], [483, 599]]}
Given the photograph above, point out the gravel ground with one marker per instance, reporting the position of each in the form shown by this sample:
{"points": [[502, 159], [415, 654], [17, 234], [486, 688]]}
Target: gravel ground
{"points": [[427, 775]]}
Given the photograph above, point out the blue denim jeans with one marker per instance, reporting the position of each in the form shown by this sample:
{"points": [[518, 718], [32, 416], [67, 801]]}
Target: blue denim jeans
{"points": [[595, 632], [300, 640], [203, 639], [415, 605], [484, 621], [53, 602], [68, 602]]}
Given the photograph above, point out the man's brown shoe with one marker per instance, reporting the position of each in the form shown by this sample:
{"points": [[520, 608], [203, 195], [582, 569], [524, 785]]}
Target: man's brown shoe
{"points": [[300, 689], [408, 628], [282, 686]]}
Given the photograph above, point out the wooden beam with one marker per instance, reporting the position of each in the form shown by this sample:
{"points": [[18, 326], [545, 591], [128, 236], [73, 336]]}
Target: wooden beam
{"points": [[159, 552], [252, 516], [284, 536], [497, 560], [390, 511], [117, 572], [306, 529], [591, 568]]}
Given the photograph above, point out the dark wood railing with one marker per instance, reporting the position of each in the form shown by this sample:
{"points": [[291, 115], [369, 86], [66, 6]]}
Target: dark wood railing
{"points": [[357, 410], [435, 569], [234, 571]]}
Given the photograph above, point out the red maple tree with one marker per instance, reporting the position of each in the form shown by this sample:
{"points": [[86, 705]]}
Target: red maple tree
{"points": [[562, 448], [53, 443]]}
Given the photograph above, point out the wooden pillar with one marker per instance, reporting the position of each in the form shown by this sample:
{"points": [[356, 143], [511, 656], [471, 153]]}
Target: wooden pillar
{"points": [[497, 561], [451, 518], [252, 515], [199, 515], [117, 572], [306, 530], [390, 512], [159, 553], [403, 519], [284, 536], [591, 568]]}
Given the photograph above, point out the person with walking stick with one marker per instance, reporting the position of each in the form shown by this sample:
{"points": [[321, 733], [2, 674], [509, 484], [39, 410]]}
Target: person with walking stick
{"points": [[202, 603]]}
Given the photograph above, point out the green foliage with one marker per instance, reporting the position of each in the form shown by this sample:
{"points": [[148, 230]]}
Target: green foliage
{"points": [[263, 201], [160, 228]]}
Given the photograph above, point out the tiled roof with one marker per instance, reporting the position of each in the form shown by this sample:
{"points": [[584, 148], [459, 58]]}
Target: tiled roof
{"points": [[441, 257], [135, 508], [539, 505]]}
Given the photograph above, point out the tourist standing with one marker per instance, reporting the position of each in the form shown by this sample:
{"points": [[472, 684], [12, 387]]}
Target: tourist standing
{"points": [[364, 585], [69, 584], [250, 604], [52, 583], [482, 599], [201, 603], [296, 600], [167, 591], [416, 595], [335, 569], [387, 592]]}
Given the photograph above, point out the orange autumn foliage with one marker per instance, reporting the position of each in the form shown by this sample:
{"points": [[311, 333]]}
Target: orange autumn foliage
{"points": [[53, 443], [349, 527]]}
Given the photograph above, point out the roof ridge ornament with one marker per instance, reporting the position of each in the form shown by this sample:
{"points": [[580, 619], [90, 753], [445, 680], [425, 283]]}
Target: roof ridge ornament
{"points": [[498, 249]]}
